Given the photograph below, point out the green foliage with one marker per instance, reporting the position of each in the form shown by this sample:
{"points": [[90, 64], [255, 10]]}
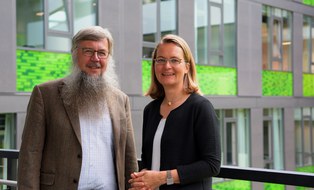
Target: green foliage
{"points": [[272, 186], [232, 185], [35, 67]]}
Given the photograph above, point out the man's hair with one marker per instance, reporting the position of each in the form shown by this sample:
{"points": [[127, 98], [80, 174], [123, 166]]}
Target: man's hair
{"points": [[93, 33]]}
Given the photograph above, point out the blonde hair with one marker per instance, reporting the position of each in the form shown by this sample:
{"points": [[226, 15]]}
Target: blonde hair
{"points": [[156, 90]]}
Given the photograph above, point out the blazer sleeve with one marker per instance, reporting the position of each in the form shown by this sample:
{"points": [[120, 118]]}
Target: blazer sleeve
{"points": [[33, 138]]}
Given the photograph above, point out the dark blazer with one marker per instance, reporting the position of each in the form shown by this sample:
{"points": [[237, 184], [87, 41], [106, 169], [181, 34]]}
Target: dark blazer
{"points": [[51, 153], [190, 142]]}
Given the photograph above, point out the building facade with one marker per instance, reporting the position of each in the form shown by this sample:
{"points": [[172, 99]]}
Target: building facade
{"points": [[255, 63]]}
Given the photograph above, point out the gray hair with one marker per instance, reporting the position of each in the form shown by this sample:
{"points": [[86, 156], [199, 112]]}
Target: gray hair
{"points": [[97, 33], [94, 33]]}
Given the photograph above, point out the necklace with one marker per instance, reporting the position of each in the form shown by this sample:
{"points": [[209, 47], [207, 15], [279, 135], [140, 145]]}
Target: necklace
{"points": [[169, 103]]}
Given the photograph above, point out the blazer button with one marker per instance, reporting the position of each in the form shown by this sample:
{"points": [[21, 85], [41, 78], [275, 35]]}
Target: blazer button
{"points": [[79, 156], [74, 181]]}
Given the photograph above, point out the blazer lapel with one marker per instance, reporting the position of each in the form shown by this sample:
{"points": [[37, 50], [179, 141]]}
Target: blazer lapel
{"points": [[72, 114], [115, 119]]}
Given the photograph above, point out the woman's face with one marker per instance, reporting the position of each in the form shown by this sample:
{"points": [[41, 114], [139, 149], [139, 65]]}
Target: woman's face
{"points": [[170, 66]]}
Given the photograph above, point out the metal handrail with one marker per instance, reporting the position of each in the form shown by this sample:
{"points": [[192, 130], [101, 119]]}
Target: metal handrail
{"points": [[10, 183], [268, 175], [231, 172]]}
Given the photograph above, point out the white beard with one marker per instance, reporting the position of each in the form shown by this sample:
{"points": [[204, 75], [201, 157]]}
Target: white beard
{"points": [[89, 93]]}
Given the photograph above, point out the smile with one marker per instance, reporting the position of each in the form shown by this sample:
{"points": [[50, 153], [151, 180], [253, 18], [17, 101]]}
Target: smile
{"points": [[167, 74]]}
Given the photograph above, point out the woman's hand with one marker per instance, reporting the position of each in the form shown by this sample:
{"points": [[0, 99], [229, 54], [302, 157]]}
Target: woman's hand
{"points": [[147, 180]]}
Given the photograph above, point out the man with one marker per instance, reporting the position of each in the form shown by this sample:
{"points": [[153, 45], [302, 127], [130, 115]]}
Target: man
{"points": [[78, 132]]}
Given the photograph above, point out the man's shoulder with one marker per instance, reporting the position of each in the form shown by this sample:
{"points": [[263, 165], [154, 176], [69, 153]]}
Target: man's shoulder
{"points": [[52, 83], [117, 91]]}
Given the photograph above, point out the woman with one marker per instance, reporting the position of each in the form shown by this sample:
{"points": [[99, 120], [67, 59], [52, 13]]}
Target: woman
{"points": [[181, 141]]}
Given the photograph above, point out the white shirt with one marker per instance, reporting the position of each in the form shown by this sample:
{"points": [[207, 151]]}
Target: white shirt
{"points": [[98, 168], [156, 146]]}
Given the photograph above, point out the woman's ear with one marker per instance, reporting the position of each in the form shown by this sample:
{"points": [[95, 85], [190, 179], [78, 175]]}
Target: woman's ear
{"points": [[187, 66]]}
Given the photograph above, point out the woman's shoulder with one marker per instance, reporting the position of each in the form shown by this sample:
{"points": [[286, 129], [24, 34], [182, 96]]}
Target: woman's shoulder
{"points": [[198, 101], [154, 103], [197, 98]]}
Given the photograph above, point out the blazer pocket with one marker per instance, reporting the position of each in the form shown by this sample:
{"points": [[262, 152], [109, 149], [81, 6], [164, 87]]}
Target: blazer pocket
{"points": [[47, 179]]}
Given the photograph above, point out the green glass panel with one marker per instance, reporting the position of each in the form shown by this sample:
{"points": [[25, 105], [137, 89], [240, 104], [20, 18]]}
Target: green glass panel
{"points": [[217, 80], [308, 84], [146, 74], [309, 2], [35, 67], [277, 83]]}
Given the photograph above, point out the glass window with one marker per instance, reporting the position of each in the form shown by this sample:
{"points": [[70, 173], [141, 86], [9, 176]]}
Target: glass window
{"points": [[215, 32], [85, 14], [273, 139], [64, 18], [30, 23], [235, 137], [298, 137], [58, 18], [308, 44], [276, 39], [159, 18], [267, 141], [7, 140], [304, 127], [149, 20]]}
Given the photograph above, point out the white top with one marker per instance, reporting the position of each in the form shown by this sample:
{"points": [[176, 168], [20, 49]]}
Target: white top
{"points": [[98, 168], [156, 146]]}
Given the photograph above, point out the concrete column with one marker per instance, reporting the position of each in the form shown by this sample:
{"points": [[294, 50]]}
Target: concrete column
{"points": [[8, 46]]}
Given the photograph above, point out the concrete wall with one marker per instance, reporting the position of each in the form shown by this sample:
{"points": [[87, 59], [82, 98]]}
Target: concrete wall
{"points": [[7, 46], [249, 51]]}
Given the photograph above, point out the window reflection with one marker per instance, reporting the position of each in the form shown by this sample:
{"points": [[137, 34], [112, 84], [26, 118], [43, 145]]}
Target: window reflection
{"points": [[30, 23], [215, 33], [58, 18], [308, 44], [159, 19], [276, 39], [64, 18]]}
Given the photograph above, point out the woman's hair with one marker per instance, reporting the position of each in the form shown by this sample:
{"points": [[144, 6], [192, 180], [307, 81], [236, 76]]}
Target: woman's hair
{"points": [[93, 33], [156, 90]]}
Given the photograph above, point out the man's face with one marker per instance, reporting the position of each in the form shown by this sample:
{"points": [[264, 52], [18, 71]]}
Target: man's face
{"points": [[92, 56]]}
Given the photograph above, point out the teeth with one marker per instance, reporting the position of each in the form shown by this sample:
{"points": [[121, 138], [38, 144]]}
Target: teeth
{"points": [[169, 74]]}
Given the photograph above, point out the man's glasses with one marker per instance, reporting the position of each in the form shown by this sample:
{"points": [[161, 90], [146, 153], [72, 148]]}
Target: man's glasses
{"points": [[89, 52], [172, 61]]}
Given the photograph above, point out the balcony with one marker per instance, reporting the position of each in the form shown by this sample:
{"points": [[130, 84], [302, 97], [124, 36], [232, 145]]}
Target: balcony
{"points": [[226, 172]]}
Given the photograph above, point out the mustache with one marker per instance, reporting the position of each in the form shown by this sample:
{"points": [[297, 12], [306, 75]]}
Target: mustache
{"points": [[93, 64]]}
